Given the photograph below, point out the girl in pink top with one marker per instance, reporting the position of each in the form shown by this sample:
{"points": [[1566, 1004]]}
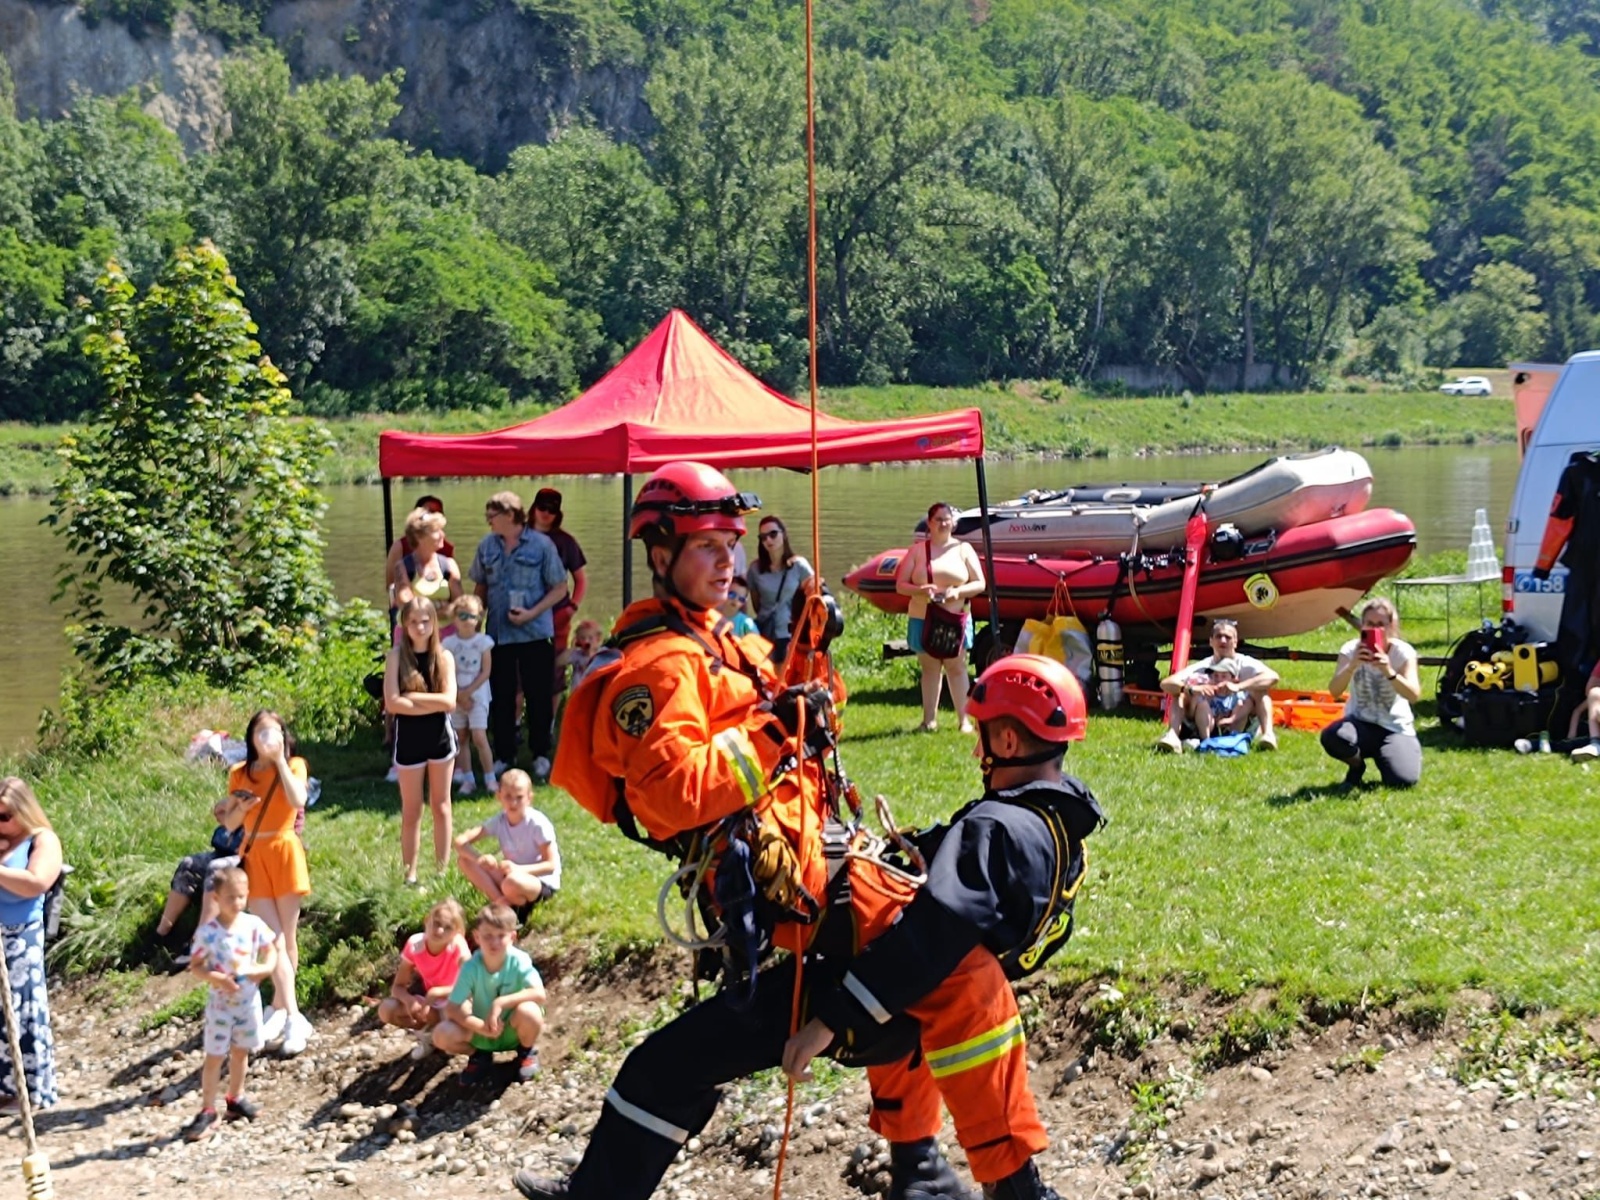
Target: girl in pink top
{"points": [[429, 965]]}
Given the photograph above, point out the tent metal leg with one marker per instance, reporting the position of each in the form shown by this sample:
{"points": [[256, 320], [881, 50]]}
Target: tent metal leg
{"points": [[388, 533], [627, 543]]}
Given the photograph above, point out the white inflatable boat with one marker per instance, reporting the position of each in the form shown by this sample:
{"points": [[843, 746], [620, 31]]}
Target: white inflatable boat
{"points": [[1280, 494]]}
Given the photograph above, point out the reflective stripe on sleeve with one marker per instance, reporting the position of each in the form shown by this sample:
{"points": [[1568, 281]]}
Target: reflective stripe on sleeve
{"points": [[974, 1052], [866, 999], [646, 1120], [739, 754]]}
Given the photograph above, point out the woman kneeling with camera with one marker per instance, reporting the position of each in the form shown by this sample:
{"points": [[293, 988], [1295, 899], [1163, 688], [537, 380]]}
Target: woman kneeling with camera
{"points": [[1380, 672]]}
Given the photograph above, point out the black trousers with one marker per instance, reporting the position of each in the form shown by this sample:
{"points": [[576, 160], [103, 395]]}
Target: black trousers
{"points": [[669, 1086], [1399, 756], [530, 666]]}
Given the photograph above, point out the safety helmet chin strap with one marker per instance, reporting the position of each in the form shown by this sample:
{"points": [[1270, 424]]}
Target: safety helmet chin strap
{"points": [[665, 582], [988, 763]]}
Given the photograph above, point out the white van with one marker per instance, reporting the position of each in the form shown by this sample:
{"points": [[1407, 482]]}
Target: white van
{"points": [[1569, 423]]}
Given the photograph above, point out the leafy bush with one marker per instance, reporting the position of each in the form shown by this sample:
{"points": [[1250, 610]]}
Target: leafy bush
{"points": [[190, 489]]}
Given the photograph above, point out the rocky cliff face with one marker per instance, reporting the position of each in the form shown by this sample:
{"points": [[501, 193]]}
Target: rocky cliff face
{"points": [[54, 54], [481, 77]]}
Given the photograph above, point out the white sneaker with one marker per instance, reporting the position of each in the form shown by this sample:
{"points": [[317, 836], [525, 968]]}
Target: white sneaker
{"points": [[272, 1028], [490, 783], [541, 768], [1191, 744], [424, 1046], [460, 777], [1170, 742], [299, 1032], [499, 767], [394, 774], [1590, 749], [465, 785]]}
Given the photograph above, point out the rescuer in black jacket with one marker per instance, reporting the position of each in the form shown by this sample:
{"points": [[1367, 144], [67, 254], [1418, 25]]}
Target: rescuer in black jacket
{"points": [[1003, 875]]}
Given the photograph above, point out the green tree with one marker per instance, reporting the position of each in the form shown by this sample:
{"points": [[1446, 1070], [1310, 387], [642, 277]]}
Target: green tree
{"points": [[587, 208], [889, 132], [109, 165], [450, 316], [729, 160], [189, 493], [1563, 251], [1499, 317], [293, 188]]}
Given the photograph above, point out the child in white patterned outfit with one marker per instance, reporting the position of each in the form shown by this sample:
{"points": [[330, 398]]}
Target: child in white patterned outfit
{"points": [[472, 649], [234, 952]]}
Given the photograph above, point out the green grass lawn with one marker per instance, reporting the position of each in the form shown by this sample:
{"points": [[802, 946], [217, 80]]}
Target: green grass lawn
{"points": [[1224, 875], [1022, 418]]}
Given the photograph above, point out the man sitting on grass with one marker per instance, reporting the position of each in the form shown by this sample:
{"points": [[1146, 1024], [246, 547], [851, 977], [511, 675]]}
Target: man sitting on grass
{"points": [[496, 1004], [1193, 690]]}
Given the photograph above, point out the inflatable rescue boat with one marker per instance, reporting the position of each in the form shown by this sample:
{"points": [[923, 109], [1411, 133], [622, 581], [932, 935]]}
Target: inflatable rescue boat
{"points": [[1282, 493], [1273, 584]]}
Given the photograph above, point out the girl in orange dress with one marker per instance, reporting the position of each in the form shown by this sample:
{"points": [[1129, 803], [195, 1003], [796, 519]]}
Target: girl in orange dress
{"points": [[275, 860]]}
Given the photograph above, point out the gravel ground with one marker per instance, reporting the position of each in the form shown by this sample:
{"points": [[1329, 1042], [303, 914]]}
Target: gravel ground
{"points": [[1358, 1109]]}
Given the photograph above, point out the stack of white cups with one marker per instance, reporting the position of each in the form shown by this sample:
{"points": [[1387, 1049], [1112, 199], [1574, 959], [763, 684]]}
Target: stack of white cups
{"points": [[1482, 563]]}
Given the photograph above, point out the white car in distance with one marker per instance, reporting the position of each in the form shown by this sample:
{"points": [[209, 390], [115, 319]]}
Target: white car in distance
{"points": [[1468, 385]]}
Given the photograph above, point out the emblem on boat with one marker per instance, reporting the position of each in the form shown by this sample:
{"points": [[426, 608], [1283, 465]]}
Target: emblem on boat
{"points": [[1260, 590]]}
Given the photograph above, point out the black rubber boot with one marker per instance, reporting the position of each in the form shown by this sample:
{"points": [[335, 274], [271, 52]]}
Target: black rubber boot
{"points": [[1023, 1184], [917, 1171]]}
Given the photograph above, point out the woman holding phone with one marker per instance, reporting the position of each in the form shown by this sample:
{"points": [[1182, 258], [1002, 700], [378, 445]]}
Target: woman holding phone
{"points": [[1380, 672]]}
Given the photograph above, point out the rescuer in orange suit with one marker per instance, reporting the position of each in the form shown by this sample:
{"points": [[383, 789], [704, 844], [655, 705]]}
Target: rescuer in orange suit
{"points": [[1003, 876], [678, 736]]}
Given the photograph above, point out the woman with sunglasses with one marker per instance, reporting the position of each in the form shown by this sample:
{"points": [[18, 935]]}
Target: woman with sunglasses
{"points": [[30, 867], [943, 571], [774, 580]]}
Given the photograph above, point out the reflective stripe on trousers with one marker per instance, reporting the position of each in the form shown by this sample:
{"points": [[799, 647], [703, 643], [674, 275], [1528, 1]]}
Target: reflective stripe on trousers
{"points": [[973, 1051]]}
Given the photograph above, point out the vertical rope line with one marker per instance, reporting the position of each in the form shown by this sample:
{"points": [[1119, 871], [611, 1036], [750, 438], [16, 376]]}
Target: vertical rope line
{"points": [[811, 280]]}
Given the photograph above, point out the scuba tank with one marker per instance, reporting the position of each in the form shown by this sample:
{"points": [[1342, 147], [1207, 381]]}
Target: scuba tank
{"points": [[1108, 662]]}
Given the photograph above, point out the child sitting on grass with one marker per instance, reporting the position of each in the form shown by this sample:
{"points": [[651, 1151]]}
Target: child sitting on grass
{"points": [[429, 967], [529, 867], [474, 654], [192, 880], [234, 952], [497, 1002]]}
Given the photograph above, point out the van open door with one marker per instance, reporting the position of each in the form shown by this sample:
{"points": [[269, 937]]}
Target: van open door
{"points": [[1568, 421], [1530, 388]]}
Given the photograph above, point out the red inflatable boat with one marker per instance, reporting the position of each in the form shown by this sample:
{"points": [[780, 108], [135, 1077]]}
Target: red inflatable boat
{"points": [[1274, 585]]}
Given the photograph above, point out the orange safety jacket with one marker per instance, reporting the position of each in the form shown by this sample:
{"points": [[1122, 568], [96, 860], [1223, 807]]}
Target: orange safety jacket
{"points": [[676, 731]]}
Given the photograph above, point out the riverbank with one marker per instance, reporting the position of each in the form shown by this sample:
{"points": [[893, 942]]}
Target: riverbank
{"points": [[1021, 419]]}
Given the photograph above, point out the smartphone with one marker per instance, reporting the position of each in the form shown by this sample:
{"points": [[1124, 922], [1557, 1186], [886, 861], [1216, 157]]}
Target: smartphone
{"points": [[1372, 637]]}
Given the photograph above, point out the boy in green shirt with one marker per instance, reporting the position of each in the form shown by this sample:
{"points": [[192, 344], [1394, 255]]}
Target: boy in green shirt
{"points": [[496, 1004]]}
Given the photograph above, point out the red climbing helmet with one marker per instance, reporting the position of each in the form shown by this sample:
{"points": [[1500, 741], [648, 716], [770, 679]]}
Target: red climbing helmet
{"points": [[1040, 692], [689, 497]]}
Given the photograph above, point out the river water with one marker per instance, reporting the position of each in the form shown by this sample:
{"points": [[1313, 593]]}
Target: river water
{"points": [[864, 510]]}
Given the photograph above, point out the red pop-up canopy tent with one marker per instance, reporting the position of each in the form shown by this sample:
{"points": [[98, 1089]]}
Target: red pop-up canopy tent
{"points": [[677, 395]]}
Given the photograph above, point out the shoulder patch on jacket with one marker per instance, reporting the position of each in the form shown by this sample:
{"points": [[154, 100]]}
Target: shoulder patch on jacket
{"points": [[634, 709]]}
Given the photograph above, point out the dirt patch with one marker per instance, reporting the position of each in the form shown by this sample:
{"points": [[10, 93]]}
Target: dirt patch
{"points": [[1359, 1107]]}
